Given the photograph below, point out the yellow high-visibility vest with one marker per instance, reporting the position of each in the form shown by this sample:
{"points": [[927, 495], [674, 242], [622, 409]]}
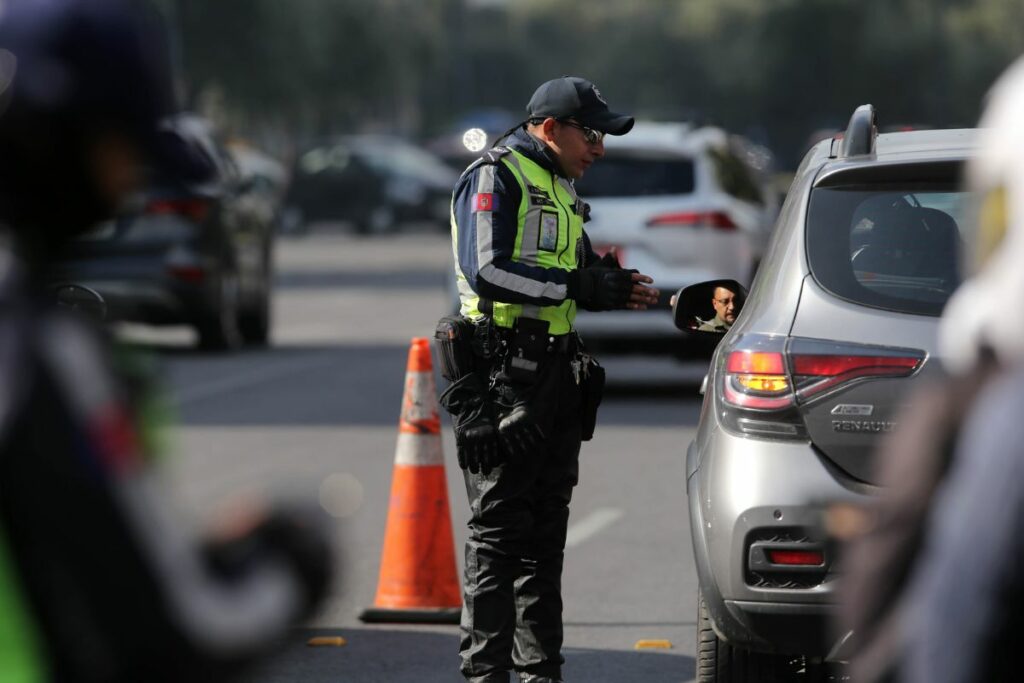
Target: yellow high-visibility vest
{"points": [[549, 234]]}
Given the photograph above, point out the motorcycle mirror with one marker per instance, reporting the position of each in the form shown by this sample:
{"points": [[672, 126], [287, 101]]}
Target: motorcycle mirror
{"points": [[81, 299]]}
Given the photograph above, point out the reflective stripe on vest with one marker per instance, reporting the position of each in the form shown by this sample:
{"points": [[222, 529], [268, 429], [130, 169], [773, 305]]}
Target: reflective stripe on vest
{"points": [[548, 235]]}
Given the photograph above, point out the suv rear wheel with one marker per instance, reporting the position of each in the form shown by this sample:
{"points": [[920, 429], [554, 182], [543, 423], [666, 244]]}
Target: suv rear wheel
{"points": [[218, 327], [720, 662], [254, 317], [377, 220], [254, 322]]}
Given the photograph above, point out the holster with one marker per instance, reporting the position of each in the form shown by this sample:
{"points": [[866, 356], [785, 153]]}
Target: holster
{"points": [[591, 391], [453, 339]]}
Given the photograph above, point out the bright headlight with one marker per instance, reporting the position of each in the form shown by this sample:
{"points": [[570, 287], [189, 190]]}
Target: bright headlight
{"points": [[475, 139]]}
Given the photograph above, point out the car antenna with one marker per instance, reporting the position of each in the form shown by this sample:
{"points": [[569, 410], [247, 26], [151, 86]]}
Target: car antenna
{"points": [[861, 132]]}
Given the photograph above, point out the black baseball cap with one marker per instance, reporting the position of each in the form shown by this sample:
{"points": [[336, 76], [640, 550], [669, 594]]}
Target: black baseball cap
{"points": [[579, 99]]}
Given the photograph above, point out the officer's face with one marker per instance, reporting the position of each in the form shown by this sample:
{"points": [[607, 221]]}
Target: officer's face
{"points": [[725, 304], [569, 142]]}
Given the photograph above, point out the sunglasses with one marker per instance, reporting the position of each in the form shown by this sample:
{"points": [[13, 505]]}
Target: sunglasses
{"points": [[592, 136]]}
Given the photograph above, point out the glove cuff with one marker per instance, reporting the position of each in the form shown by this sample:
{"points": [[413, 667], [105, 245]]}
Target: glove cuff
{"points": [[580, 286]]}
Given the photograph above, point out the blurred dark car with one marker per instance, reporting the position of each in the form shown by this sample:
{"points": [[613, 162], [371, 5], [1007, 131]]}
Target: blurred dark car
{"points": [[471, 135], [196, 253], [265, 178], [374, 182]]}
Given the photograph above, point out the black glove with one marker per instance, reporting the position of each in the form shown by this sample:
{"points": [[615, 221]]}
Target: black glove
{"points": [[600, 288], [476, 438], [520, 433], [299, 535], [609, 260]]}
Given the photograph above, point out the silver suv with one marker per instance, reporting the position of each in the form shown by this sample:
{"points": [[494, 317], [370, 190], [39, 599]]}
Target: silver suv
{"points": [[839, 323]]}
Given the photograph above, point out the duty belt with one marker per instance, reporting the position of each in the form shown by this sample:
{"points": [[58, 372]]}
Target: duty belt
{"points": [[491, 340]]}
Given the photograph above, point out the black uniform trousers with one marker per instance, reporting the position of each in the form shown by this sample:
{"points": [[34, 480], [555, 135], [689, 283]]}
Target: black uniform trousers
{"points": [[512, 613]]}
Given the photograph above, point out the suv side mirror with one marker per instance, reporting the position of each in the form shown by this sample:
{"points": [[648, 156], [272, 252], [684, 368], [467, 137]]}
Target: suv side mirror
{"points": [[708, 309]]}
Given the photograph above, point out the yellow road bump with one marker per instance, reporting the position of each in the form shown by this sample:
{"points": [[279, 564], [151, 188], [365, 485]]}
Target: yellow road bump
{"points": [[326, 641], [653, 645]]}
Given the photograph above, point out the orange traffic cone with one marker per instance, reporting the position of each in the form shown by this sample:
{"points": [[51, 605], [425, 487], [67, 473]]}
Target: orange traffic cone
{"points": [[418, 581]]}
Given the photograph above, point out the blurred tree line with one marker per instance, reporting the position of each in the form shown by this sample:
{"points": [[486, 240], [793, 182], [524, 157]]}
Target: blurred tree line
{"points": [[775, 70]]}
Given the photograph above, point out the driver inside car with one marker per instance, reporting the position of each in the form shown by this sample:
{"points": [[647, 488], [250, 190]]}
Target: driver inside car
{"points": [[726, 305]]}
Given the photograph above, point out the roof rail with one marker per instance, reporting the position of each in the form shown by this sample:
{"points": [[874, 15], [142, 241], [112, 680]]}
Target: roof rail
{"points": [[861, 132]]}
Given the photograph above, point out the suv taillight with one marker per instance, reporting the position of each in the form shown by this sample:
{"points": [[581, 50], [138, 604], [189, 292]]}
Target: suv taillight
{"points": [[757, 379], [684, 219], [817, 373], [766, 378], [194, 209]]}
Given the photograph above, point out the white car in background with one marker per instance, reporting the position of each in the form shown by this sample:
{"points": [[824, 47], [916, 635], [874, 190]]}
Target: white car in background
{"points": [[682, 204]]}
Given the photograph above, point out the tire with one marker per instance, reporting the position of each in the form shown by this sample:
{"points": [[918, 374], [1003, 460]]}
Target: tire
{"points": [[720, 662], [379, 220], [254, 320], [292, 221], [218, 328]]}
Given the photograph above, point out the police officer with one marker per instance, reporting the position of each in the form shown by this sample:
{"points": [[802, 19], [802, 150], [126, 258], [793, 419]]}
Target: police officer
{"points": [[525, 265], [99, 581]]}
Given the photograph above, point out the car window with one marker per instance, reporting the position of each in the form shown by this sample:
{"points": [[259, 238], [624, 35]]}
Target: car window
{"points": [[734, 176], [193, 148], [630, 176], [323, 159], [891, 247], [400, 159], [227, 164]]}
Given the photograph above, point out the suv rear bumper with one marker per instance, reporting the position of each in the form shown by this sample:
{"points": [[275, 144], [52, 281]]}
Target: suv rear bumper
{"points": [[751, 490], [785, 627]]}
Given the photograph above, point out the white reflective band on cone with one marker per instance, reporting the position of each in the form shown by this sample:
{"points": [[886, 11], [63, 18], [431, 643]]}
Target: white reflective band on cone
{"points": [[419, 450]]}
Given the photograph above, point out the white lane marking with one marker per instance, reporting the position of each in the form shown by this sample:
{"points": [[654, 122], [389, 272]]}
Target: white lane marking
{"points": [[590, 525], [247, 379]]}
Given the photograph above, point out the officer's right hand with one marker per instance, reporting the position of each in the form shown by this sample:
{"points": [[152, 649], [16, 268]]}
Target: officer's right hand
{"points": [[600, 288], [477, 447], [642, 295]]}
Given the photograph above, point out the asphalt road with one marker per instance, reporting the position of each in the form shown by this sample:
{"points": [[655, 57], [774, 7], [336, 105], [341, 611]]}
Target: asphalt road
{"points": [[315, 416]]}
